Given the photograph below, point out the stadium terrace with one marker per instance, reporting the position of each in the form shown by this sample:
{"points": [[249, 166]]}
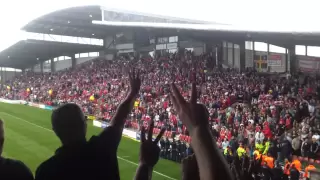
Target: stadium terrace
{"points": [[200, 95]]}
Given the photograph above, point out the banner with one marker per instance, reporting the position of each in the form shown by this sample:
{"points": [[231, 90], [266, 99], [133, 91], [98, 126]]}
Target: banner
{"points": [[48, 107], [33, 104], [138, 136], [104, 124], [13, 101], [172, 46], [97, 123], [308, 63], [90, 117], [261, 61], [124, 46], [129, 133], [274, 60]]}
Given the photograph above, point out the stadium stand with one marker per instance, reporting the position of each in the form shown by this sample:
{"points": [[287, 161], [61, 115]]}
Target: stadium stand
{"points": [[272, 118]]}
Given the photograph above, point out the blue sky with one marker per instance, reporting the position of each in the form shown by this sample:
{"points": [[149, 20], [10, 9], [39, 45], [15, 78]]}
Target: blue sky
{"points": [[274, 14]]}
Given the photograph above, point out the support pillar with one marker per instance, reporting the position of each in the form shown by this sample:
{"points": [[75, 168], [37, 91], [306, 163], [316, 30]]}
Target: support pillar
{"points": [[253, 55], [306, 50], [32, 69], [233, 55], [292, 59], [41, 66], [53, 69], [242, 63], [73, 61], [268, 50], [227, 54], [104, 42], [207, 48], [287, 61]]}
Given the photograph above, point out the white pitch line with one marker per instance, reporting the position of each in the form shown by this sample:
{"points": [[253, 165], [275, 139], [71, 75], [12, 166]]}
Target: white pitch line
{"points": [[117, 156], [125, 156]]}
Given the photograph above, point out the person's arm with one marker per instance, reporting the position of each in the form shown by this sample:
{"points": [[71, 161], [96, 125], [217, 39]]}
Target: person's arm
{"points": [[118, 121], [211, 163], [144, 172], [149, 154], [190, 169], [195, 116]]}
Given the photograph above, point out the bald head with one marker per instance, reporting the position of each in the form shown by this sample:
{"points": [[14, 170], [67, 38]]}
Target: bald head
{"points": [[69, 123]]}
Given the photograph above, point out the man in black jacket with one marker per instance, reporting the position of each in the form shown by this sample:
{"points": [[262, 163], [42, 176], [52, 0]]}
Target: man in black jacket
{"points": [[78, 158], [266, 171], [277, 172], [294, 173], [10, 168], [314, 147], [286, 148]]}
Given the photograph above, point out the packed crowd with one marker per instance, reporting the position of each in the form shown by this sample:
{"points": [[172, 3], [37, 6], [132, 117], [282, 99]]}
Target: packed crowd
{"points": [[249, 114]]}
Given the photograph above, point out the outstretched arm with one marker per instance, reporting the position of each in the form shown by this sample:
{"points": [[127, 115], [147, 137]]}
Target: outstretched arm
{"points": [[195, 116], [118, 121], [149, 154]]}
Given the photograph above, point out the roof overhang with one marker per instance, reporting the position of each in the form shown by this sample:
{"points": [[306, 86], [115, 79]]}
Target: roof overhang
{"points": [[26, 53]]}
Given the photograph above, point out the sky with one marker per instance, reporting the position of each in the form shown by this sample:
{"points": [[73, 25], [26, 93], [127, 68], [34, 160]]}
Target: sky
{"points": [[267, 14]]}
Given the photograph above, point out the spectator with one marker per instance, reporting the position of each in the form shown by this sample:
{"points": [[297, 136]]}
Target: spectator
{"points": [[9, 168], [305, 148], [296, 144], [79, 159]]}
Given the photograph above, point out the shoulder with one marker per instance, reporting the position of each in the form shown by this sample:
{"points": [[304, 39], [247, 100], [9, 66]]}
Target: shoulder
{"points": [[45, 168], [106, 139], [16, 168]]}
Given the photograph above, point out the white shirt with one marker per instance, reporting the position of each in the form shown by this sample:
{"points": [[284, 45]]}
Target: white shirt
{"points": [[225, 144], [157, 117], [259, 137]]}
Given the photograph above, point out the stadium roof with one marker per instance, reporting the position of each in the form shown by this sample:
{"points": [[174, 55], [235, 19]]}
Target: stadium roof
{"points": [[26, 52], [78, 22]]}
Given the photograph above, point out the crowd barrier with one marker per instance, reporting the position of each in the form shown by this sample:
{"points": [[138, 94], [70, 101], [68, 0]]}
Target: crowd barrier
{"points": [[13, 101]]}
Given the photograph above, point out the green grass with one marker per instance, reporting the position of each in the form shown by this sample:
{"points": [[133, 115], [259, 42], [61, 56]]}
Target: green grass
{"points": [[28, 137]]}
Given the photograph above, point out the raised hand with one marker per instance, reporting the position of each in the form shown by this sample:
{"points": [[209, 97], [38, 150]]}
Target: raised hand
{"points": [[190, 169], [135, 81], [125, 107], [149, 150], [192, 114]]}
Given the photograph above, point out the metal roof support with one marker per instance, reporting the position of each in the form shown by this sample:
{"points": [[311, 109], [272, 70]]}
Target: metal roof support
{"points": [[268, 50], [73, 61], [253, 55], [41, 67], [306, 50], [292, 59], [242, 47], [52, 65], [287, 60], [233, 55]]}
